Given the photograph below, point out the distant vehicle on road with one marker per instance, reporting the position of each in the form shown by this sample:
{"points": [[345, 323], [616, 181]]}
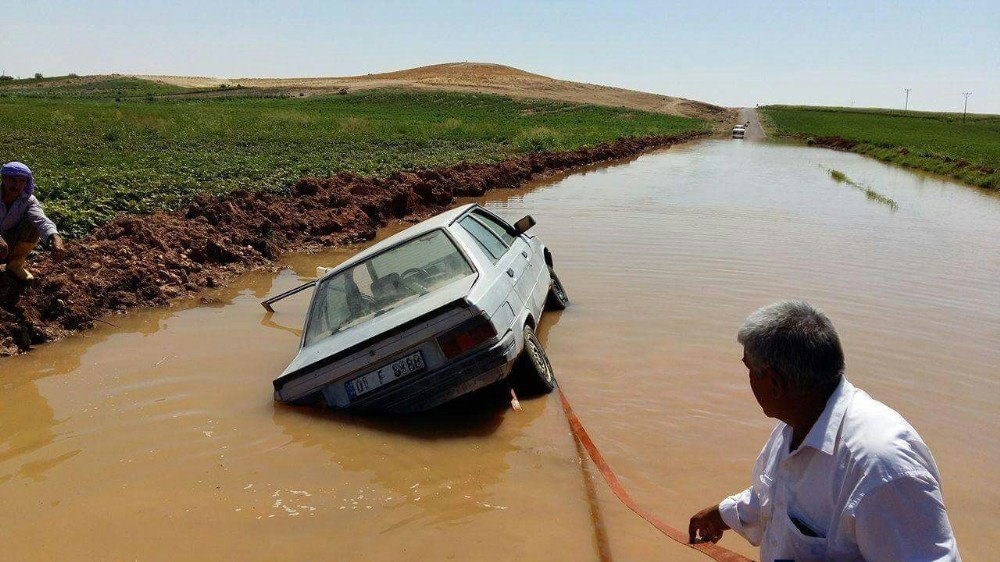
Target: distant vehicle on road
{"points": [[439, 310], [739, 131]]}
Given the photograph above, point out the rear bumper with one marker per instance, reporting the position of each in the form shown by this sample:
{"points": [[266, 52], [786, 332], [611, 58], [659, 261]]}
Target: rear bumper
{"points": [[424, 391]]}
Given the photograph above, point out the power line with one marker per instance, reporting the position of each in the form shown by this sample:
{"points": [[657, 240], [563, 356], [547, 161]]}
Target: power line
{"points": [[966, 108], [906, 105]]}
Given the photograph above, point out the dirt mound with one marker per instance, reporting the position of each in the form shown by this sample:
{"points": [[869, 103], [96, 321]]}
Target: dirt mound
{"points": [[836, 143], [149, 260], [473, 71], [474, 77]]}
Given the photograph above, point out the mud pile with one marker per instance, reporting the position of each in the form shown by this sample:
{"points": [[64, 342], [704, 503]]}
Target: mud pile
{"points": [[836, 143], [149, 260]]}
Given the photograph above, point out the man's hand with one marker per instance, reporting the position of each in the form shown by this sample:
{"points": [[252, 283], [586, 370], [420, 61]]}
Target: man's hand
{"points": [[707, 526], [3, 249], [58, 248]]}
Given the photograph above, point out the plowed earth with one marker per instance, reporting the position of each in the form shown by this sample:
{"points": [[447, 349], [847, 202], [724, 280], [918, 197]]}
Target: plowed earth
{"points": [[150, 260]]}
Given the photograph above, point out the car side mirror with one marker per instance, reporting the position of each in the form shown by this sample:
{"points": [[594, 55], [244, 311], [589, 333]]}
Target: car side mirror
{"points": [[524, 224]]}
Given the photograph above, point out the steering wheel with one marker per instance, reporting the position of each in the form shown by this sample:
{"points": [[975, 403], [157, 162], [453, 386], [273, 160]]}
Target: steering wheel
{"points": [[411, 276]]}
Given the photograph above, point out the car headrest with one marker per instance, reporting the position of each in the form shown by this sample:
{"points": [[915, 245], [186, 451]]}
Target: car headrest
{"points": [[387, 286]]}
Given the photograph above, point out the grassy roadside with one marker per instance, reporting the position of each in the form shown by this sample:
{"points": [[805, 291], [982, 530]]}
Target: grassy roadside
{"points": [[122, 145], [935, 142]]}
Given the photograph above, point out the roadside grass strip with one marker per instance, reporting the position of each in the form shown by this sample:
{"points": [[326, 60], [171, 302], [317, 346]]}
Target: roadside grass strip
{"points": [[942, 143], [871, 194]]}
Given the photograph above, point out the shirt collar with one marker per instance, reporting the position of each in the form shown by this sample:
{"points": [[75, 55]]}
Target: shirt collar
{"points": [[20, 198], [823, 434], [6, 209]]}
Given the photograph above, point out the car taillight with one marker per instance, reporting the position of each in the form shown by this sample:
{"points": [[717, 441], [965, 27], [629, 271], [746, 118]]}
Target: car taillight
{"points": [[466, 336]]}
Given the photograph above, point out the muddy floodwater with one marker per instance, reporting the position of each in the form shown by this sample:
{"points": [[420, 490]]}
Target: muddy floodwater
{"points": [[157, 438]]}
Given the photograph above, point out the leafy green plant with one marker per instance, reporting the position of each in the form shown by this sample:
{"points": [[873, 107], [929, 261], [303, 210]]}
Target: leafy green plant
{"points": [[871, 194], [536, 139], [100, 148]]}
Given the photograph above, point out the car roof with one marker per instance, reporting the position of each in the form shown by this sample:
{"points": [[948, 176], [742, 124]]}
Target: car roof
{"points": [[440, 220]]}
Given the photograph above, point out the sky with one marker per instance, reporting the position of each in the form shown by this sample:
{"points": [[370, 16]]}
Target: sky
{"points": [[728, 53]]}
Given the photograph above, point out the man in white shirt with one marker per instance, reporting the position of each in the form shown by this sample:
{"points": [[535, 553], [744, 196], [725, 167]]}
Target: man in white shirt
{"points": [[843, 476]]}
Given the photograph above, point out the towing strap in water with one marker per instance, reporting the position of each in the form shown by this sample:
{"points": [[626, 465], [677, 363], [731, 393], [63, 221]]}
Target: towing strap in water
{"points": [[711, 550]]}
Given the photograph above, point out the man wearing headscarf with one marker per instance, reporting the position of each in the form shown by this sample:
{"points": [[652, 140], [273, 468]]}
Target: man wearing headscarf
{"points": [[22, 221]]}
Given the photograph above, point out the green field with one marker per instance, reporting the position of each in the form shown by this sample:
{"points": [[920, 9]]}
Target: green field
{"points": [[936, 142], [122, 145]]}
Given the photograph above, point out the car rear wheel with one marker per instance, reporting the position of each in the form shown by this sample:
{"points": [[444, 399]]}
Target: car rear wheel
{"points": [[557, 299], [534, 373]]}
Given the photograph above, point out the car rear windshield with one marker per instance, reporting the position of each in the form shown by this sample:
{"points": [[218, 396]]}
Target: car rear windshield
{"points": [[383, 282]]}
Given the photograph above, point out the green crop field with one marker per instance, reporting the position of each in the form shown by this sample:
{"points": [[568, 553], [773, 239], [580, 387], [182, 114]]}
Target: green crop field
{"points": [[100, 148], [937, 142]]}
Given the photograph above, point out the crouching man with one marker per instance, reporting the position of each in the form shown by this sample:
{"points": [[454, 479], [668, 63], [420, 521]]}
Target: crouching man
{"points": [[22, 221], [843, 476]]}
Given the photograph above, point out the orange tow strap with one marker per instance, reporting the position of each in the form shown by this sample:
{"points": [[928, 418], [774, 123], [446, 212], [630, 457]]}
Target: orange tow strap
{"points": [[713, 551]]}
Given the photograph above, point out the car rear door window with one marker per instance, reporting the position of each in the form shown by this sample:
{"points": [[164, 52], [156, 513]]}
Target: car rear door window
{"points": [[494, 247], [499, 228]]}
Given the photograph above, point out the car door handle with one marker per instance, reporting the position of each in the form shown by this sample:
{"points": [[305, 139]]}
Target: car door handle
{"points": [[510, 272], [524, 254]]}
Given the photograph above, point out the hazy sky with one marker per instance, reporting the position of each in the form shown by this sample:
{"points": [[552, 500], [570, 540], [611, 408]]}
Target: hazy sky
{"points": [[738, 53]]}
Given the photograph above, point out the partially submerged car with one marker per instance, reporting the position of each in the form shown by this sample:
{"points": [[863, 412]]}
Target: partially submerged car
{"points": [[439, 310], [739, 131]]}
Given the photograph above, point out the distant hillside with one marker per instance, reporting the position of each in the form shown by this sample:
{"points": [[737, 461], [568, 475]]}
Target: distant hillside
{"points": [[101, 86], [471, 77]]}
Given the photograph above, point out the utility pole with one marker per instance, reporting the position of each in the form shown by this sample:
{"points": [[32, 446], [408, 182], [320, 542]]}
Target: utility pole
{"points": [[966, 108], [906, 105]]}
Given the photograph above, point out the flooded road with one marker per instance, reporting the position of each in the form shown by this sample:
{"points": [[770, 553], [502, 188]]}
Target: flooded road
{"points": [[156, 438]]}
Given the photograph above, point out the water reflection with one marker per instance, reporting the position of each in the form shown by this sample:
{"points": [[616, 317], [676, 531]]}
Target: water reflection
{"points": [[436, 460], [27, 426], [268, 322]]}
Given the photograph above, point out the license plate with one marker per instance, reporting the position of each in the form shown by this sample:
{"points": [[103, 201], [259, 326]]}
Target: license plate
{"points": [[399, 368]]}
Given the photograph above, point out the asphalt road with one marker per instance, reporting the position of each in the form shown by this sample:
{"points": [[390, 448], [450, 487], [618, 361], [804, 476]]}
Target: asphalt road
{"points": [[754, 131]]}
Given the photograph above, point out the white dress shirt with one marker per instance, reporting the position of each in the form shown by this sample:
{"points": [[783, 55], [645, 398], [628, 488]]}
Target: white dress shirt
{"points": [[861, 486]]}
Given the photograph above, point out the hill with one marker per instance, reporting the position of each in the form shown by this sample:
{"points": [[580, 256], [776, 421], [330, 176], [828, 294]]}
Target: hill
{"points": [[470, 77]]}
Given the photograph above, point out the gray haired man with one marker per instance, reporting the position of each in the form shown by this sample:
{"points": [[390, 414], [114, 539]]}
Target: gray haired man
{"points": [[843, 476]]}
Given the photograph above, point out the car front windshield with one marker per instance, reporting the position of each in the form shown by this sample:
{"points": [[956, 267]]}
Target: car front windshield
{"points": [[383, 282]]}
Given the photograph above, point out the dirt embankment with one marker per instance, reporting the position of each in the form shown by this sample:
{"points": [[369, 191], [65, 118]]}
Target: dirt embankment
{"points": [[957, 166], [836, 143], [148, 260]]}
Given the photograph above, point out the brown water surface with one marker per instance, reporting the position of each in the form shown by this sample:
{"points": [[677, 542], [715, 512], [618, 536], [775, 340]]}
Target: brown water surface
{"points": [[157, 439]]}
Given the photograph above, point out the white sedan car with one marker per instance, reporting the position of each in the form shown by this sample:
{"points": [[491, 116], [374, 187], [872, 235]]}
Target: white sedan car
{"points": [[439, 310]]}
